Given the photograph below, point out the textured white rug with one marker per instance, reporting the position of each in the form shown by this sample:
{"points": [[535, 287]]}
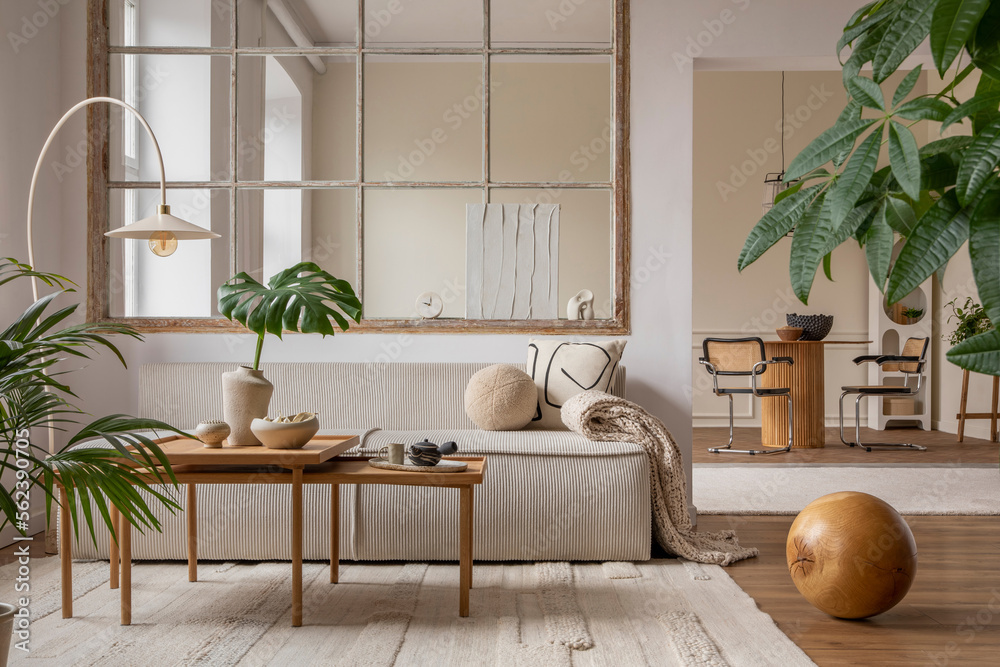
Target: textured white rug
{"points": [[661, 612], [785, 489]]}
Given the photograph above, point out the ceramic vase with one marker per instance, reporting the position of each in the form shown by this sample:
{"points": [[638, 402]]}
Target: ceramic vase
{"points": [[246, 393]]}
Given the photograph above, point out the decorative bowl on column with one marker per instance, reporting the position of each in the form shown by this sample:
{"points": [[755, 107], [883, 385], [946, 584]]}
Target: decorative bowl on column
{"points": [[246, 395]]}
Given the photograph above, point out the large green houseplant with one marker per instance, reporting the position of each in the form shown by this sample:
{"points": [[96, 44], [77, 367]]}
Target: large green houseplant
{"points": [[934, 197], [34, 393]]}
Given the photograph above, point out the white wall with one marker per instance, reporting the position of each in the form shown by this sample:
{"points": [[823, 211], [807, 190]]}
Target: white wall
{"points": [[35, 75], [658, 353]]}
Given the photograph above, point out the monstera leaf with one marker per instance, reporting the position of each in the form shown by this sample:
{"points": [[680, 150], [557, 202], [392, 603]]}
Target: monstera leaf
{"points": [[302, 298]]}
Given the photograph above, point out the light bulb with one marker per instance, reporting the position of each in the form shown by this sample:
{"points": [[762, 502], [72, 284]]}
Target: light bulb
{"points": [[162, 244]]}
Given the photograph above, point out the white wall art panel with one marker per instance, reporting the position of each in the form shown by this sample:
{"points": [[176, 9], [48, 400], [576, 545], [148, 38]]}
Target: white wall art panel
{"points": [[512, 261]]}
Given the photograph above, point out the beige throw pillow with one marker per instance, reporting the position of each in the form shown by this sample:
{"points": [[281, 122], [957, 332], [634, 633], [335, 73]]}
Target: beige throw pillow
{"points": [[500, 398], [561, 370]]}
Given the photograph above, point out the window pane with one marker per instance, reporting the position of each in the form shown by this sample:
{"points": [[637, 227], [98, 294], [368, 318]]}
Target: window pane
{"points": [[185, 100], [304, 24], [442, 23], [280, 227], [551, 23], [550, 119], [303, 124], [423, 119], [585, 240], [415, 243], [183, 284], [169, 22]]}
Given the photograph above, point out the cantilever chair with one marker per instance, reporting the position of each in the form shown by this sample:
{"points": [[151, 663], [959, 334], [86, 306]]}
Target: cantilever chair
{"points": [[910, 363], [743, 357]]}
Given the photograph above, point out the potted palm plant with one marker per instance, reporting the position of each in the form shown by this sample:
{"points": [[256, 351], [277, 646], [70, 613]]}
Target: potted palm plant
{"points": [[303, 298], [34, 393]]}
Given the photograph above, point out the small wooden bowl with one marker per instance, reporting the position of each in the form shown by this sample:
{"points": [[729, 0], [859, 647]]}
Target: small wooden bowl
{"points": [[789, 333]]}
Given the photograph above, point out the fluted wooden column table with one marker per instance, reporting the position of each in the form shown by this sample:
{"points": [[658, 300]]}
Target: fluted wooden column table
{"points": [[805, 378]]}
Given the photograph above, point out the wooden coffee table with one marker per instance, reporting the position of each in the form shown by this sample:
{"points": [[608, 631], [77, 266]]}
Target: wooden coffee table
{"points": [[194, 464]]}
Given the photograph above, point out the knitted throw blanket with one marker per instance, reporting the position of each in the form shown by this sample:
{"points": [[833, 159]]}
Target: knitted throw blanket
{"points": [[602, 417]]}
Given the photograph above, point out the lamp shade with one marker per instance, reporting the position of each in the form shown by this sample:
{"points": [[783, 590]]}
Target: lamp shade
{"points": [[162, 221]]}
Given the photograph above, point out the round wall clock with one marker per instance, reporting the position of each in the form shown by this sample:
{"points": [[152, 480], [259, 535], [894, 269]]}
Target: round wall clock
{"points": [[429, 305]]}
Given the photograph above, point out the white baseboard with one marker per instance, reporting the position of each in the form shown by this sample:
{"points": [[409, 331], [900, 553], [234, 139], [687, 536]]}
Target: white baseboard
{"points": [[831, 422], [36, 524], [976, 428]]}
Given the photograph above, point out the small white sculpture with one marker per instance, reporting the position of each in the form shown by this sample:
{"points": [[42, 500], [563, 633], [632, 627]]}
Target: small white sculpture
{"points": [[581, 306]]}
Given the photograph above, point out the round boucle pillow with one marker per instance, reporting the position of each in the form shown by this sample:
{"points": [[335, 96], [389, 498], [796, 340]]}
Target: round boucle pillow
{"points": [[501, 398]]}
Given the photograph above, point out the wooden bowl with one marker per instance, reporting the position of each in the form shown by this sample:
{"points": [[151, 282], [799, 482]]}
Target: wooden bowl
{"points": [[789, 333]]}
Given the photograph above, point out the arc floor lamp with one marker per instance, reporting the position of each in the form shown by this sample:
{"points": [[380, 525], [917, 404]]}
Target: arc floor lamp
{"points": [[162, 229]]}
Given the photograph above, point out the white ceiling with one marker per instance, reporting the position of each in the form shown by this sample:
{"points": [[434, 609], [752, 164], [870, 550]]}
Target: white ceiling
{"points": [[457, 22]]}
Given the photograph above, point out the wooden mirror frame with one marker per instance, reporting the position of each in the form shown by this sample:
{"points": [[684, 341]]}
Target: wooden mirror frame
{"points": [[99, 52]]}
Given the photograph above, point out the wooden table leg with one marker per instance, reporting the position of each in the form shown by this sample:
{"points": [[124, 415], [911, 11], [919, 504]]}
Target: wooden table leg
{"points": [[805, 379], [66, 553], [296, 547], [192, 531], [993, 420], [465, 549], [334, 533], [125, 536], [962, 405], [115, 558]]}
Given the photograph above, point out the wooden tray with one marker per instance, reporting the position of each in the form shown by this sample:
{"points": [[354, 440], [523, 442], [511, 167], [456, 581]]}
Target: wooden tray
{"points": [[186, 451]]}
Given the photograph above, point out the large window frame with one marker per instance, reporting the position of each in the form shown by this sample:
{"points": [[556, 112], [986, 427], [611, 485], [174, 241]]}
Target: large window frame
{"points": [[99, 54]]}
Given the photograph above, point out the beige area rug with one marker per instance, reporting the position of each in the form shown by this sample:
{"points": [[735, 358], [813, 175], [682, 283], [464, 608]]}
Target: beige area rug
{"points": [[786, 489], [661, 612]]}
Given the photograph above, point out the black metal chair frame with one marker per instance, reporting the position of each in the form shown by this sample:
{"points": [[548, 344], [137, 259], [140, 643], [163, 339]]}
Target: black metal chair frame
{"points": [[884, 390], [756, 371]]}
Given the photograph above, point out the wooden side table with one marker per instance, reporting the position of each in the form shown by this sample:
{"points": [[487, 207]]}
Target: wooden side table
{"points": [[964, 415], [332, 472]]}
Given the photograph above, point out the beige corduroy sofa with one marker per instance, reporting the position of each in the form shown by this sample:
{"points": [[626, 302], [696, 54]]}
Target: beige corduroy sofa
{"points": [[548, 495]]}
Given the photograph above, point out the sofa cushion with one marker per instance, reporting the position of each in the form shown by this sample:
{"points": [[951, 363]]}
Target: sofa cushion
{"points": [[484, 443], [344, 395], [501, 398], [562, 369]]}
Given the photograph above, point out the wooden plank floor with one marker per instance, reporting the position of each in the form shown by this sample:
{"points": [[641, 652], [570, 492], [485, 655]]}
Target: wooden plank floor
{"points": [[951, 615], [942, 448]]}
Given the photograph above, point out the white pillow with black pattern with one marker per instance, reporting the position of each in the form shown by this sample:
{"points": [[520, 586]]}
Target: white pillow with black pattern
{"points": [[562, 369]]}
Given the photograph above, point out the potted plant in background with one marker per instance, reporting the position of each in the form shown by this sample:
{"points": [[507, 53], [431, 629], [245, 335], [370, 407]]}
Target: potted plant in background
{"points": [[303, 298], [913, 315], [935, 197], [34, 393], [972, 321]]}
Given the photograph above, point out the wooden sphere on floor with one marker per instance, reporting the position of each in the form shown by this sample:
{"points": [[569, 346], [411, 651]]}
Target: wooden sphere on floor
{"points": [[851, 555]]}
